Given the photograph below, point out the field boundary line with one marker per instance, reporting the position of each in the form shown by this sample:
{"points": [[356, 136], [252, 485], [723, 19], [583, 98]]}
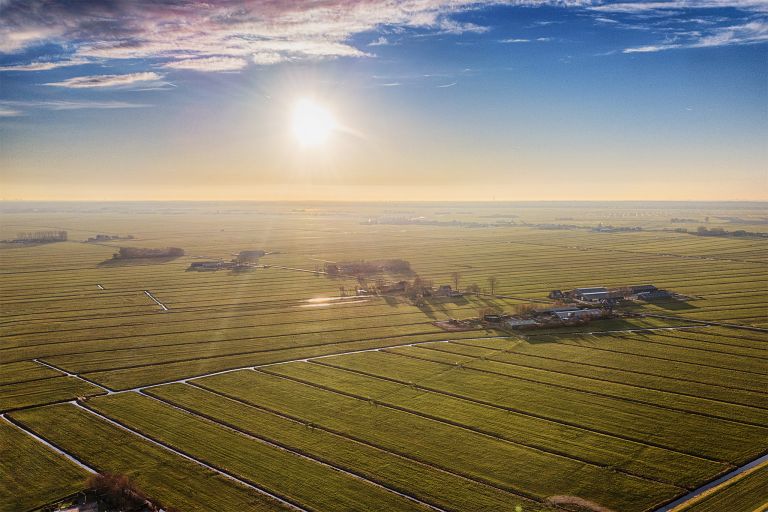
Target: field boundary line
{"points": [[558, 372], [656, 341], [288, 449], [719, 324], [704, 365], [472, 478], [724, 481], [595, 393], [458, 425], [304, 423], [539, 416], [203, 342], [190, 458], [149, 294], [231, 354], [55, 448], [251, 366], [549, 358], [75, 375]]}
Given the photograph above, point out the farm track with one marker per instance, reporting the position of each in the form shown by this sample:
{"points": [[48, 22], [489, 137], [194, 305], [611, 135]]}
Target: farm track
{"points": [[680, 503]]}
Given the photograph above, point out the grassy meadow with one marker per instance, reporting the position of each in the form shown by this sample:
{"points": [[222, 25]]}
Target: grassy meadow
{"points": [[272, 388]]}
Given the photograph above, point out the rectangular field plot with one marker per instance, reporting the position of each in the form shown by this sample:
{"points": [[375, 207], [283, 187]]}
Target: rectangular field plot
{"points": [[162, 475], [31, 475], [46, 391], [426, 483], [509, 466], [282, 472]]}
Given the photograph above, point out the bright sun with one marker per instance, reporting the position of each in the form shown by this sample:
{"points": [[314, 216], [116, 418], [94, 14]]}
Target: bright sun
{"points": [[312, 123]]}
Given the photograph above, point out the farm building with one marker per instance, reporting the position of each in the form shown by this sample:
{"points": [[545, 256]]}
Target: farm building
{"points": [[445, 290], [594, 296], [642, 288], [580, 293], [206, 265], [654, 295], [555, 310], [579, 314], [556, 294]]}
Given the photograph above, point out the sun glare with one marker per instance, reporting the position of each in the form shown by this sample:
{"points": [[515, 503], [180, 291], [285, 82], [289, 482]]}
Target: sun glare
{"points": [[312, 123]]}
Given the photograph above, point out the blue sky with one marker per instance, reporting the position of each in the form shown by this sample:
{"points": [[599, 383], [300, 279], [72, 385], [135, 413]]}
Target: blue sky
{"points": [[437, 99]]}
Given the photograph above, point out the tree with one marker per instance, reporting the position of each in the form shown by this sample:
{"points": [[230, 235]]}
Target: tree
{"points": [[492, 282], [456, 276], [472, 288]]}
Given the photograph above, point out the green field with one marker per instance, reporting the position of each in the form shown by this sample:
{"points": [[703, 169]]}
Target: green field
{"points": [[267, 385]]}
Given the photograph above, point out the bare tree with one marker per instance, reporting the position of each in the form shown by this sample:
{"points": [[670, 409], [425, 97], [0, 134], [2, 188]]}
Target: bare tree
{"points": [[492, 282], [456, 276]]}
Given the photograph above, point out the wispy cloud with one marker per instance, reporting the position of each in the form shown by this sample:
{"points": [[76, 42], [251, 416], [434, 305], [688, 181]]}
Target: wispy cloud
{"points": [[19, 108], [228, 35], [44, 65], [268, 58], [443, 86], [643, 6], [748, 33], [209, 64], [514, 41], [9, 112], [185, 30], [381, 41], [98, 81]]}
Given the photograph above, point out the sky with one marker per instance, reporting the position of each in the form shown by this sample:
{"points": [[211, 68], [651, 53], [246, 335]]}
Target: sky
{"points": [[430, 100]]}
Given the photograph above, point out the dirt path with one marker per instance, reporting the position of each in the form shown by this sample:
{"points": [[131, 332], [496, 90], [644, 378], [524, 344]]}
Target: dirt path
{"points": [[149, 294], [680, 503]]}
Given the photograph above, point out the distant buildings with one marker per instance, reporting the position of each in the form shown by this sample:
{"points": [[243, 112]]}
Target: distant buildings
{"points": [[610, 296], [445, 290]]}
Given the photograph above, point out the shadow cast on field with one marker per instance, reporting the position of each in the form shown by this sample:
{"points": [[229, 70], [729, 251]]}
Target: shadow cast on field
{"points": [[675, 305], [134, 262], [390, 300]]}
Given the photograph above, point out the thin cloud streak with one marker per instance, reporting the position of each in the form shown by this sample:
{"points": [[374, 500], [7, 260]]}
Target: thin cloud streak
{"points": [[99, 81], [209, 64], [44, 66], [749, 33]]}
